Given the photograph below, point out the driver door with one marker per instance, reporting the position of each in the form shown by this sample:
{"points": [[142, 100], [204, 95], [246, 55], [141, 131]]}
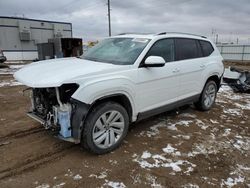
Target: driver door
{"points": [[158, 86]]}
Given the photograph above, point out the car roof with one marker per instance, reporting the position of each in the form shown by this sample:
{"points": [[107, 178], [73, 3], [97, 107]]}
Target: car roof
{"points": [[161, 35]]}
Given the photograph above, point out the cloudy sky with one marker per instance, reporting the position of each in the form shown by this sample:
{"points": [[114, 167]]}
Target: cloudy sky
{"points": [[229, 18]]}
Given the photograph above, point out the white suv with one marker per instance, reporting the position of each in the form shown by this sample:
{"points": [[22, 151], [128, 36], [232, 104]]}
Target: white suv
{"points": [[92, 99]]}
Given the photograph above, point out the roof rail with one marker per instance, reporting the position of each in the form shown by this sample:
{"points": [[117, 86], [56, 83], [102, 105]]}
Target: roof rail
{"points": [[134, 33], [164, 33]]}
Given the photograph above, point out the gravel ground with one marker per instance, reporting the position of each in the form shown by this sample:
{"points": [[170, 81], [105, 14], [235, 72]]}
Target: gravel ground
{"points": [[181, 148]]}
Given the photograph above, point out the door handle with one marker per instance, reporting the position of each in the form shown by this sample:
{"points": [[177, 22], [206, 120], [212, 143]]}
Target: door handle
{"points": [[176, 70]]}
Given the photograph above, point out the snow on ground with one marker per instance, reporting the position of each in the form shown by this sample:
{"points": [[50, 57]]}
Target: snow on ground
{"points": [[5, 83], [114, 184], [102, 175], [11, 69], [219, 137], [77, 177], [148, 160]]}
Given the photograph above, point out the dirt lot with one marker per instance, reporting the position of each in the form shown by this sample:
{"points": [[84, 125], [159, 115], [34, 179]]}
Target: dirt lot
{"points": [[182, 148]]}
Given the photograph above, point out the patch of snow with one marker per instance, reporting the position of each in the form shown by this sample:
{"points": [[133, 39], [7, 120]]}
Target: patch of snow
{"points": [[70, 173], [184, 122], [146, 155], [44, 185], [159, 157], [230, 182], [227, 132], [232, 111], [169, 149], [189, 169], [202, 149], [201, 124], [241, 167], [186, 137], [174, 165], [16, 66], [242, 144], [188, 115], [77, 177], [10, 70], [152, 181], [214, 121], [243, 107], [113, 162], [10, 83], [101, 176], [225, 89], [189, 185], [153, 130], [157, 161], [136, 178], [114, 184], [59, 185], [172, 127]]}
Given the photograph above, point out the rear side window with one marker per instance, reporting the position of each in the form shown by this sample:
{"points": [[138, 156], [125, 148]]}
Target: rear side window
{"points": [[163, 48], [186, 49], [206, 47]]}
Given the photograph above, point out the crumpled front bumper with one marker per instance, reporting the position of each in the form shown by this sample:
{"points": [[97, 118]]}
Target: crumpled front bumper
{"points": [[78, 116]]}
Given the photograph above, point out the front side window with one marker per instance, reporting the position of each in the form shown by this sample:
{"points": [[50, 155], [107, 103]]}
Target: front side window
{"points": [[163, 48], [119, 51], [186, 49]]}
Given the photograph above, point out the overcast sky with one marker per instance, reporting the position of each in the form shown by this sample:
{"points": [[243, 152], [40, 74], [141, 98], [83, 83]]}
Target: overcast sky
{"points": [[230, 18]]}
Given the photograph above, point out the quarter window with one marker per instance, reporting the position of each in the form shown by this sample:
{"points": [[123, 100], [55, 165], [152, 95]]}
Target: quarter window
{"points": [[207, 48], [163, 48], [186, 49]]}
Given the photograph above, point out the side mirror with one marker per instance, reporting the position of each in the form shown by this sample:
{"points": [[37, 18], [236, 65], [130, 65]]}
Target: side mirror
{"points": [[154, 61]]}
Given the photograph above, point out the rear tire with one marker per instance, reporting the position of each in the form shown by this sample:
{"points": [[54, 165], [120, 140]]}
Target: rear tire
{"points": [[208, 96], [105, 128]]}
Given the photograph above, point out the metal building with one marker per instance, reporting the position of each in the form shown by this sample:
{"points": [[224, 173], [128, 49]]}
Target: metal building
{"points": [[19, 36]]}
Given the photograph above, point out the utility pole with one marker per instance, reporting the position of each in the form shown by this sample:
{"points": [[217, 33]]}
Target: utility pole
{"points": [[217, 39], [109, 17]]}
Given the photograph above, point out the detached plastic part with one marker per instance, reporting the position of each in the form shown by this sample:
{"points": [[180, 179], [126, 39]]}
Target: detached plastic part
{"points": [[237, 79]]}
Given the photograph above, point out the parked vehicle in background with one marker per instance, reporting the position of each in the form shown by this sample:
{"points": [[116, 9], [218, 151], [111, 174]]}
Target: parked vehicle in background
{"points": [[92, 99], [2, 57]]}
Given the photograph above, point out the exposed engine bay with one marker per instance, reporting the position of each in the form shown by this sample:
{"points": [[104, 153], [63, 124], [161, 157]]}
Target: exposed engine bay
{"points": [[52, 107]]}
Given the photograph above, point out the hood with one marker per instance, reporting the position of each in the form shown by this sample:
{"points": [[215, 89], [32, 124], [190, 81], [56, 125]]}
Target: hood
{"points": [[55, 72]]}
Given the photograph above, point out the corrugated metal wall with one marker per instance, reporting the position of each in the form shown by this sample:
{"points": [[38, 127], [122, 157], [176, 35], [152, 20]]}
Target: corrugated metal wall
{"points": [[235, 52], [13, 45]]}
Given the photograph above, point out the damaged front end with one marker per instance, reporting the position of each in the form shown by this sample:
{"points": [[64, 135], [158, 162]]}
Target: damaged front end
{"points": [[56, 110]]}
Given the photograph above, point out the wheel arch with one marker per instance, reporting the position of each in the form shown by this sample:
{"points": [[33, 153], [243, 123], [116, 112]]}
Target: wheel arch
{"points": [[216, 79], [119, 98]]}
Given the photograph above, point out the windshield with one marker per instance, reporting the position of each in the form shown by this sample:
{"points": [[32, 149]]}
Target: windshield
{"points": [[120, 51]]}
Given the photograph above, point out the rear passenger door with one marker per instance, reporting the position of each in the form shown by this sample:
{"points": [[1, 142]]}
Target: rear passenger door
{"points": [[190, 64]]}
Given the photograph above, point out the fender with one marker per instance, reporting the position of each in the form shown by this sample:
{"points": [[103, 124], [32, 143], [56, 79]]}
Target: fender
{"points": [[214, 70], [93, 90]]}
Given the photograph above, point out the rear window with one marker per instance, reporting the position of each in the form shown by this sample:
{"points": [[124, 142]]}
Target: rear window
{"points": [[186, 49], [207, 48]]}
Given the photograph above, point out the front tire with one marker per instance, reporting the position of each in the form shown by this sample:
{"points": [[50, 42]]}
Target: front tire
{"points": [[105, 128], [208, 96]]}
